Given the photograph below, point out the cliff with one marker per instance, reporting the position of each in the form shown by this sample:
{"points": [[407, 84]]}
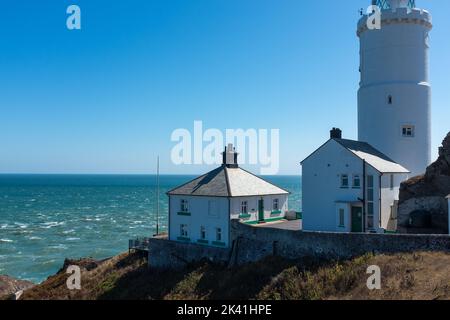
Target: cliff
{"points": [[436, 180], [10, 286], [127, 276], [422, 204]]}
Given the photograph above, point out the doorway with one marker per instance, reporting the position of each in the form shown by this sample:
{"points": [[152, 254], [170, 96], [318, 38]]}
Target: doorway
{"points": [[261, 210], [357, 219]]}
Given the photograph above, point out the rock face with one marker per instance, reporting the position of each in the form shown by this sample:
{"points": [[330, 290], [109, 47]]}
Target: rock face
{"points": [[9, 286], [422, 206]]}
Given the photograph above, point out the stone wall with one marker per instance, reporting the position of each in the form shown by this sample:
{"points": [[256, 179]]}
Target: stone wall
{"points": [[411, 215], [176, 255], [253, 243]]}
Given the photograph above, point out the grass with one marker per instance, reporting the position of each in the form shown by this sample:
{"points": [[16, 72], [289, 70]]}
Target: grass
{"points": [[404, 276]]}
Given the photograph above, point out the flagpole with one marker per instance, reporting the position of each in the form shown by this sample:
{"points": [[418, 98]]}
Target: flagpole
{"points": [[157, 197]]}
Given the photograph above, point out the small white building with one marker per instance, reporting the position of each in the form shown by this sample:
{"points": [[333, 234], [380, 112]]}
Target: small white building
{"points": [[200, 211], [349, 186]]}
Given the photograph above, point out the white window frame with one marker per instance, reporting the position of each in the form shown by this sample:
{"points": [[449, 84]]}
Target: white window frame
{"points": [[276, 204], [371, 201], [219, 234], [184, 205], [408, 131], [343, 177], [244, 207], [184, 230], [203, 234], [354, 186]]}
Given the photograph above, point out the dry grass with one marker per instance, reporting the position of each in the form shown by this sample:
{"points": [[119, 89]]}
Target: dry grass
{"points": [[404, 276]]}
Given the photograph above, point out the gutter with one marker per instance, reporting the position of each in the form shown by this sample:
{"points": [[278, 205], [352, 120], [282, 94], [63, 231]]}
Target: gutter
{"points": [[379, 204]]}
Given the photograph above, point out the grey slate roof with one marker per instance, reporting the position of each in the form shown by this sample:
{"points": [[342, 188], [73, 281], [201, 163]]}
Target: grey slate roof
{"points": [[372, 156], [227, 182]]}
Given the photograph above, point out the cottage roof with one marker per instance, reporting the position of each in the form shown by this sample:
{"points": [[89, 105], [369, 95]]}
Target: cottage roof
{"points": [[228, 182], [372, 156], [375, 158]]}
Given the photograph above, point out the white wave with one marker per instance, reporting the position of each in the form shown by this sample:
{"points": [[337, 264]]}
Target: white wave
{"points": [[6, 240], [59, 246], [48, 225], [72, 239], [21, 225]]}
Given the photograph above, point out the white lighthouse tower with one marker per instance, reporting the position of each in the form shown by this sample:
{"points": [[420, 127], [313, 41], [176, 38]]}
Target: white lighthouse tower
{"points": [[394, 97]]}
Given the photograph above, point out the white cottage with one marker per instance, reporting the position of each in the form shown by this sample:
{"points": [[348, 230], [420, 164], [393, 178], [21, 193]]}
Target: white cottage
{"points": [[349, 186], [200, 211]]}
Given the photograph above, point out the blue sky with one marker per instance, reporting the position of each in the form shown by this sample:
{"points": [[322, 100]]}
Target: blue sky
{"points": [[107, 98]]}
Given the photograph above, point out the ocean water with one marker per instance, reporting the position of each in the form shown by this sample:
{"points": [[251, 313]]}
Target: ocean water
{"points": [[46, 218]]}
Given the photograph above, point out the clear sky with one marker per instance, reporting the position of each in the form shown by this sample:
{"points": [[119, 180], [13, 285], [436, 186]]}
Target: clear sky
{"points": [[106, 99]]}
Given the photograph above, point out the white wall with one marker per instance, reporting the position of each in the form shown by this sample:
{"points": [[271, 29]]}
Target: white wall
{"points": [[200, 216], [388, 196], [321, 186], [394, 62], [253, 207]]}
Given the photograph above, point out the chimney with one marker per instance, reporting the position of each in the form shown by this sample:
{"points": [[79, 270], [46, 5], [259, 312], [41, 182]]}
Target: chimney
{"points": [[229, 157], [335, 133]]}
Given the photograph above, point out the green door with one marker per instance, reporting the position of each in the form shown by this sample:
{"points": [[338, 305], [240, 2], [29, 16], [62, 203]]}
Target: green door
{"points": [[357, 220], [261, 210]]}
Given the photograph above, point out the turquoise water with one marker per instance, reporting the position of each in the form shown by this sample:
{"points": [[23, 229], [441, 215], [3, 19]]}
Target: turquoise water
{"points": [[46, 218]]}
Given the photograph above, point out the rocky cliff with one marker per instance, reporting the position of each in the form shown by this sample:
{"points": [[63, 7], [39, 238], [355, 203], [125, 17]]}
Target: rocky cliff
{"points": [[422, 205], [10, 286]]}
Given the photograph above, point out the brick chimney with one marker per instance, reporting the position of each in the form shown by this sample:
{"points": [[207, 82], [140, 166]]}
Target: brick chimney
{"points": [[335, 133]]}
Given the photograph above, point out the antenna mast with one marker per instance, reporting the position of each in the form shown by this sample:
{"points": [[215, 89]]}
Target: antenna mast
{"points": [[157, 197]]}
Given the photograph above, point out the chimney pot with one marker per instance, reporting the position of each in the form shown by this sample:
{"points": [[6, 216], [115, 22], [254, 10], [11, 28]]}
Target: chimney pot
{"points": [[335, 133]]}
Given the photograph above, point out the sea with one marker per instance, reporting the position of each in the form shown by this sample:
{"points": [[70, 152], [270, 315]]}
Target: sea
{"points": [[47, 218]]}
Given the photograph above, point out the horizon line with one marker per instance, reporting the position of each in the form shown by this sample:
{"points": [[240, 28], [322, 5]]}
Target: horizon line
{"points": [[127, 174]]}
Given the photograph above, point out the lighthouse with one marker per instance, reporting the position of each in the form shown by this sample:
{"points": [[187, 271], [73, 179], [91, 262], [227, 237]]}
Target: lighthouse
{"points": [[394, 97]]}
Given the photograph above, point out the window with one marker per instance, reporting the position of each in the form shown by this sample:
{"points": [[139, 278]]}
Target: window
{"points": [[370, 222], [244, 207], [276, 206], [344, 181], [390, 100], [184, 231], [356, 181], [202, 233], [392, 182], [408, 131], [370, 202], [341, 218], [218, 234], [184, 206]]}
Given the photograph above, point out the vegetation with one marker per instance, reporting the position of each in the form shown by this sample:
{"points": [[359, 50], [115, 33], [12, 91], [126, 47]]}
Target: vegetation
{"points": [[404, 276]]}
